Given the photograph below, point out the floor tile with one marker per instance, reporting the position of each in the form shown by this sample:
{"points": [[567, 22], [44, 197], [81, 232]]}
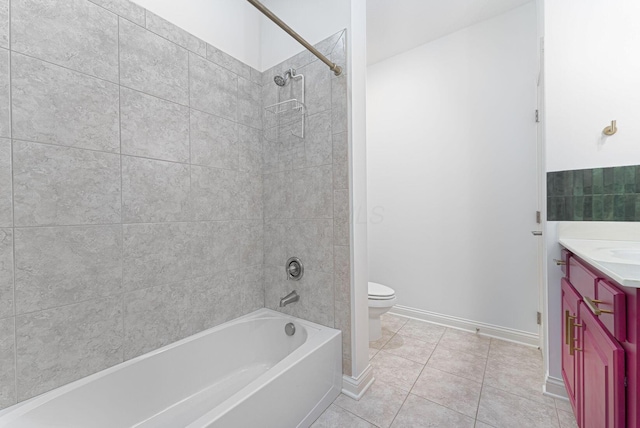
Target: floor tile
{"points": [[482, 425], [393, 322], [563, 405], [504, 352], [567, 419], [386, 335], [454, 392], [372, 352], [395, 371], [422, 331], [458, 363], [379, 405], [464, 341], [417, 412], [409, 348], [519, 379], [502, 409], [336, 417]]}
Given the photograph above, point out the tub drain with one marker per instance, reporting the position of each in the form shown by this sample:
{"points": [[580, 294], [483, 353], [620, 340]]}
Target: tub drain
{"points": [[290, 329]]}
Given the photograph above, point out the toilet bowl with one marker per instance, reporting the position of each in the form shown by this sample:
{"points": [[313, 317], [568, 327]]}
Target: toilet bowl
{"points": [[381, 299]]}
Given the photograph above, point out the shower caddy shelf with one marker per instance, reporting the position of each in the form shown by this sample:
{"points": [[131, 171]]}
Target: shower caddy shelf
{"points": [[284, 118]]}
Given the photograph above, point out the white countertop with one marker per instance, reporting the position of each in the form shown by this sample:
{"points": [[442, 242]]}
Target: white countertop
{"points": [[611, 247], [619, 259]]}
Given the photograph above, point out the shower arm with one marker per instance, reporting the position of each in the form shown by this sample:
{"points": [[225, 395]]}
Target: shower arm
{"points": [[337, 70]]}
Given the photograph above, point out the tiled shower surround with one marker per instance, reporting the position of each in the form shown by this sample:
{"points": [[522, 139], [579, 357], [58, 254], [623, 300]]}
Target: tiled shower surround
{"points": [[135, 204], [598, 194]]}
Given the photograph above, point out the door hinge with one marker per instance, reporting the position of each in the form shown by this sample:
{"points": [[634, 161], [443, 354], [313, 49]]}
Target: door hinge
{"points": [[537, 116], [538, 217], [539, 318]]}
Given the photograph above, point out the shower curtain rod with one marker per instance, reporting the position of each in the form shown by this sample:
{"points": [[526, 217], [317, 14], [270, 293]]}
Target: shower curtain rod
{"points": [[333, 66]]}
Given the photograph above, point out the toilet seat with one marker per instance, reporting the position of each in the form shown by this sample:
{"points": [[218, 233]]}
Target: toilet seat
{"points": [[380, 292]]}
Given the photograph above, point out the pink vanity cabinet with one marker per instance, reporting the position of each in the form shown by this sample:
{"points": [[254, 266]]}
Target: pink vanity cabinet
{"points": [[600, 336]]}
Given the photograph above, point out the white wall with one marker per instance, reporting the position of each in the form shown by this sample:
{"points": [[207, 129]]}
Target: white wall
{"points": [[592, 76], [314, 20], [448, 125], [230, 25]]}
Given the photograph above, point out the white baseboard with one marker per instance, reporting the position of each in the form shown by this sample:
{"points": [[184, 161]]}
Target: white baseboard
{"points": [[356, 387], [504, 333], [554, 387]]}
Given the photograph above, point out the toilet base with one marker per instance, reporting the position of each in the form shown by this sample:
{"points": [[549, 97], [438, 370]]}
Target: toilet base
{"points": [[375, 328]]}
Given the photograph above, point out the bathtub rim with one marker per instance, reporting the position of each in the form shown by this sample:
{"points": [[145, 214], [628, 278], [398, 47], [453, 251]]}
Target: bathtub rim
{"points": [[315, 332]]}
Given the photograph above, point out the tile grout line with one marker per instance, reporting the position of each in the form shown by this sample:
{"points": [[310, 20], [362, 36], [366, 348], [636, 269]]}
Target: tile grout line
{"points": [[121, 196], [13, 210]]}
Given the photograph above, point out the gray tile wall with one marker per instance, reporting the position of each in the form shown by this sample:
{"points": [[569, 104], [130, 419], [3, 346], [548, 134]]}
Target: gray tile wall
{"points": [[306, 195], [130, 189]]}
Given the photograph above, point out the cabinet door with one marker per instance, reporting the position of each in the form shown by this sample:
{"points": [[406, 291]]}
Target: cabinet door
{"points": [[601, 363], [570, 299]]}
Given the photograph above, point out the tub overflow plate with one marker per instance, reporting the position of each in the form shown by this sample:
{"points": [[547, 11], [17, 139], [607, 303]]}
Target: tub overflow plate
{"points": [[290, 329]]}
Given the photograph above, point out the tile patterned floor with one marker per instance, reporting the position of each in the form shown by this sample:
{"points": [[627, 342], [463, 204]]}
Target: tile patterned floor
{"points": [[432, 376]]}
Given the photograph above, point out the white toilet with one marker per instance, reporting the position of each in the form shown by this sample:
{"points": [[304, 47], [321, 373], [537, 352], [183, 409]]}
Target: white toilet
{"points": [[381, 299]]}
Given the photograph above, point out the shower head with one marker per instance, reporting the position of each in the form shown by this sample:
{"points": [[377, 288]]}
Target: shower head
{"points": [[282, 80]]}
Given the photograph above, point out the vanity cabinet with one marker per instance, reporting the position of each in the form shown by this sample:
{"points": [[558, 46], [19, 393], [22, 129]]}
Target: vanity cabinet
{"points": [[599, 346]]}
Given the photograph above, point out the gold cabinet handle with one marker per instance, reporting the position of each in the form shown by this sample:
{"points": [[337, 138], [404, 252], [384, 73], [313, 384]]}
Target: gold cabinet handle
{"points": [[592, 304], [560, 262], [567, 317], [572, 348]]}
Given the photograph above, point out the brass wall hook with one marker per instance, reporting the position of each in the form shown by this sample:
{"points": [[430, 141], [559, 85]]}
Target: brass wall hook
{"points": [[610, 130]]}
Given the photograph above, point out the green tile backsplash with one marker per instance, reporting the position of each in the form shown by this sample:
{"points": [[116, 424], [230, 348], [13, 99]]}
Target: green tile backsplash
{"points": [[598, 194]]}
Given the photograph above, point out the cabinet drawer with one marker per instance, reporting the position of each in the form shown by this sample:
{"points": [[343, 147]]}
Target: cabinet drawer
{"points": [[612, 303], [564, 257], [582, 279]]}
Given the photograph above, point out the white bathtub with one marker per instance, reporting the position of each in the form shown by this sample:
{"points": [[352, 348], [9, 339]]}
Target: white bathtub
{"points": [[244, 373]]}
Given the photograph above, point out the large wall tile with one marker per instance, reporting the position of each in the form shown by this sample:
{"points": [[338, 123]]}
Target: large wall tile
{"points": [[339, 107], [251, 195], [250, 281], [64, 186], [60, 345], [124, 8], [152, 64], [73, 33], [155, 191], [5, 99], [177, 35], [4, 24], [156, 254], [227, 61], [6, 272], [213, 88], [341, 217], [212, 247], [313, 192], [214, 141], [152, 317], [340, 161], [315, 290], [52, 104], [154, 128], [6, 186], [7, 363], [58, 266], [249, 103], [318, 87], [312, 242], [213, 300], [215, 193], [278, 195], [250, 140], [318, 145]]}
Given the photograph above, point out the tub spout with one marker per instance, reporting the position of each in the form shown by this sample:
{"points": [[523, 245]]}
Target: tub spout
{"points": [[289, 298]]}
